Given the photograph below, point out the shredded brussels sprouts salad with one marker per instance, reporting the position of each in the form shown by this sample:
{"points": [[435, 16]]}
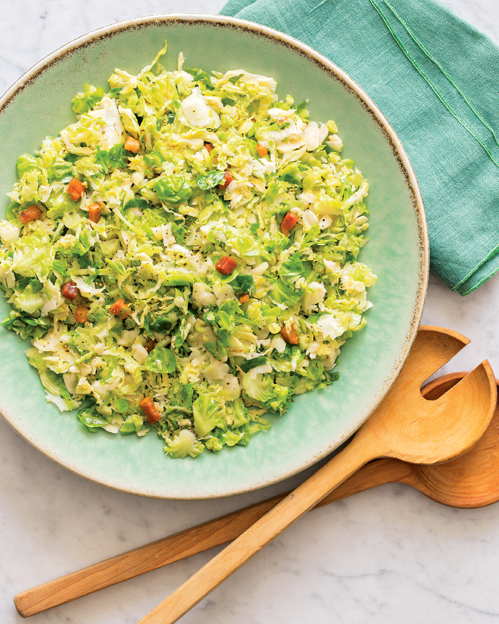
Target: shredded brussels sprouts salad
{"points": [[183, 257]]}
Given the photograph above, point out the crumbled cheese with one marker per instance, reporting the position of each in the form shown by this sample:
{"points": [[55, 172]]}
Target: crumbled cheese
{"points": [[113, 129], [8, 232], [127, 337], [197, 112], [263, 81], [139, 353], [309, 220], [330, 326], [314, 134], [335, 142], [324, 221]]}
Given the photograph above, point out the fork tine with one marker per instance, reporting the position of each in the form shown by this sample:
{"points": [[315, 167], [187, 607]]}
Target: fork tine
{"points": [[432, 348]]}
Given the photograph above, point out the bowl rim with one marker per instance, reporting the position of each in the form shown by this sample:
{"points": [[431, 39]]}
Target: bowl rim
{"points": [[398, 151]]}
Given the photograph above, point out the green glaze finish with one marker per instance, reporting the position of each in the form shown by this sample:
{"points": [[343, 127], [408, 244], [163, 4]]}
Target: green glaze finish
{"points": [[39, 105]]}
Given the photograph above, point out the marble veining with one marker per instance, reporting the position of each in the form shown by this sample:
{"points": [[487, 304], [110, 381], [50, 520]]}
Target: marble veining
{"points": [[388, 555]]}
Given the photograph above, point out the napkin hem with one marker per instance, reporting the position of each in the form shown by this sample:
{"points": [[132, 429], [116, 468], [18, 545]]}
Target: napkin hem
{"points": [[482, 281], [492, 254]]}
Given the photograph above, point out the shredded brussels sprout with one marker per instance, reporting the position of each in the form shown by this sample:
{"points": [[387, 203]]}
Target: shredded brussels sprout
{"points": [[183, 257]]}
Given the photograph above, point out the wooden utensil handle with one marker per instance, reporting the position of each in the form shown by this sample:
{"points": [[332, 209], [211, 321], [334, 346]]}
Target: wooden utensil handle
{"points": [[190, 542], [362, 449]]}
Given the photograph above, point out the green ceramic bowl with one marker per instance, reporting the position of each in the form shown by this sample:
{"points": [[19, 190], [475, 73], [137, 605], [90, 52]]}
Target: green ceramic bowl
{"points": [[39, 105]]}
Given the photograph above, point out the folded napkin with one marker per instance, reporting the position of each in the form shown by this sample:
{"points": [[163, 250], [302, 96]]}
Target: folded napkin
{"points": [[436, 80]]}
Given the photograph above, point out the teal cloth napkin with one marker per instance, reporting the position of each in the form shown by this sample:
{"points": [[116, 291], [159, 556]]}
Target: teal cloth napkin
{"points": [[436, 79]]}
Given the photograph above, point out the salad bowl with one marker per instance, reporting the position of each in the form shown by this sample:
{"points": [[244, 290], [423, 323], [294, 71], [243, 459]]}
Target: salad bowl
{"points": [[317, 423]]}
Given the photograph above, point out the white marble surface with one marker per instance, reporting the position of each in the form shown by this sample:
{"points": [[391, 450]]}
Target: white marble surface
{"points": [[389, 555]]}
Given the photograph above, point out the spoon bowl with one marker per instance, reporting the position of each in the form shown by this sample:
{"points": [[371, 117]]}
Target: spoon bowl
{"points": [[470, 480]]}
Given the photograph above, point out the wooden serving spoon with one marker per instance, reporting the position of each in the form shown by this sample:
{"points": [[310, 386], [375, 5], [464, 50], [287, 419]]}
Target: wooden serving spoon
{"points": [[405, 426], [471, 480]]}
